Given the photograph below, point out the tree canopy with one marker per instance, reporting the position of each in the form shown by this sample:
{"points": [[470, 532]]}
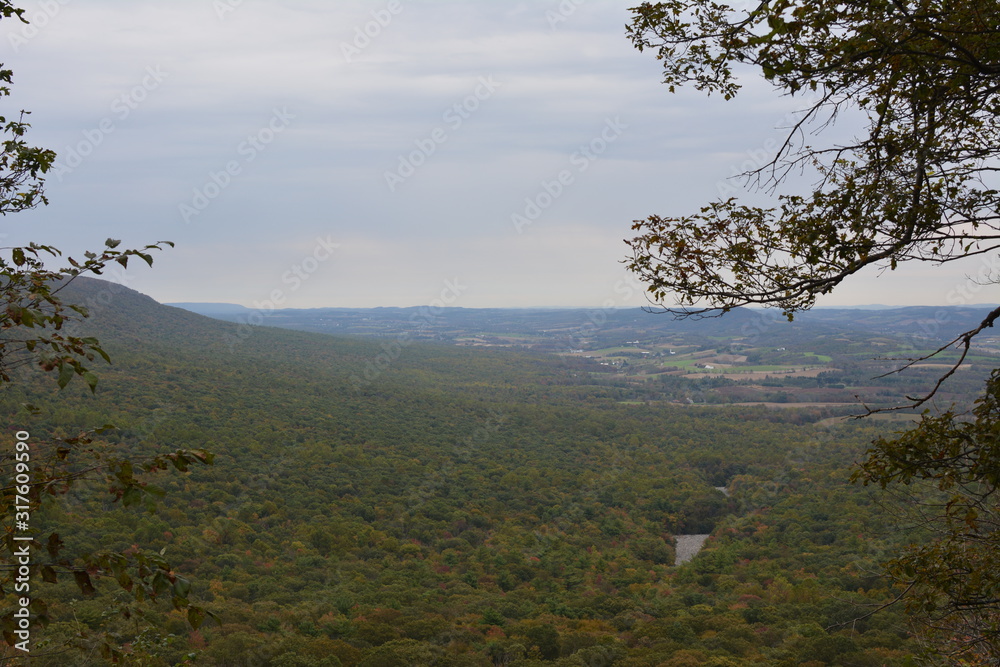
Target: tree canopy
{"points": [[945, 472], [917, 183]]}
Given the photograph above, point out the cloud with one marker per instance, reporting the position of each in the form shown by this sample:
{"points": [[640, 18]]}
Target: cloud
{"points": [[563, 70]]}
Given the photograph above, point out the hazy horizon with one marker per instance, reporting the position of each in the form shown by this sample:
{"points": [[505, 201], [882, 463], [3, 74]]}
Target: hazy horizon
{"points": [[868, 306], [370, 153]]}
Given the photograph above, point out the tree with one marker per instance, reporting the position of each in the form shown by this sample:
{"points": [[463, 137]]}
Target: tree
{"points": [[917, 184], [922, 74], [946, 473], [35, 332]]}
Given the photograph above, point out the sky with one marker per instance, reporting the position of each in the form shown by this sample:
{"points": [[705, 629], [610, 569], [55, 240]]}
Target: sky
{"points": [[308, 153]]}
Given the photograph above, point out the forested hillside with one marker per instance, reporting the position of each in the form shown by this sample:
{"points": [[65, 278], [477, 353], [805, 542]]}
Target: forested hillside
{"points": [[467, 506], [841, 359]]}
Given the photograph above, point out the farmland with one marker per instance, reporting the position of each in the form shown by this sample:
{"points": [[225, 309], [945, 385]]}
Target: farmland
{"points": [[840, 359]]}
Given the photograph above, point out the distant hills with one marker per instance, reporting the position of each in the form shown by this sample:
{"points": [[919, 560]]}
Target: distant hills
{"points": [[931, 323], [825, 357], [210, 308]]}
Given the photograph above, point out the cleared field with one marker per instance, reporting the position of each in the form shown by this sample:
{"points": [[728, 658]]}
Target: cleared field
{"points": [[680, 363], [799, 405], [612, 351], [891, 417], [740, 374]]}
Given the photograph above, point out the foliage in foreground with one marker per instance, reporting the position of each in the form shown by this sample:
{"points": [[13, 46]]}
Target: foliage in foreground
{"points": [[38, 331], [917, 184]]}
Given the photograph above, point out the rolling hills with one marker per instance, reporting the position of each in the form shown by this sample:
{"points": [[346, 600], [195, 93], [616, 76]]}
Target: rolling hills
{"points": [[462, 506]]}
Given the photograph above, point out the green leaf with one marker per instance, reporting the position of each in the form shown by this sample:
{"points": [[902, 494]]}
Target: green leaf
{"points": [[182, 587], [196, 616], [66, 373], [84, 583], [132, 496], [54, 545], [154, 491]]}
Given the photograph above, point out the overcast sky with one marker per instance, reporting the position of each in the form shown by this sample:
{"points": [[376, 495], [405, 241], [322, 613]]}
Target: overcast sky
{"points": [[380, 153]]}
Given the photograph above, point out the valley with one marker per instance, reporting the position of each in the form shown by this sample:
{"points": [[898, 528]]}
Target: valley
{"points": [[479, 500], [840, 359]]}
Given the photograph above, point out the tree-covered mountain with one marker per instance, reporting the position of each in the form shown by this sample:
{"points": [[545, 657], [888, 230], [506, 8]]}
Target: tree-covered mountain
{"points": [[461, 506]]}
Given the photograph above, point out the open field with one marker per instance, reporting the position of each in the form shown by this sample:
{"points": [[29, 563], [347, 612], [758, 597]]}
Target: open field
{"points": [[740, 374], [833, 356]]}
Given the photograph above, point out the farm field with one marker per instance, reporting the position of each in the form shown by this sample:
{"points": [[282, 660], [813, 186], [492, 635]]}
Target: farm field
{"points": [[832, 359]]}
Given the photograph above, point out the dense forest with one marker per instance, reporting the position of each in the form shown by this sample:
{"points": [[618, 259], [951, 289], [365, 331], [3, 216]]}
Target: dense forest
{"points": [[469, 506], [457, 487]]}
